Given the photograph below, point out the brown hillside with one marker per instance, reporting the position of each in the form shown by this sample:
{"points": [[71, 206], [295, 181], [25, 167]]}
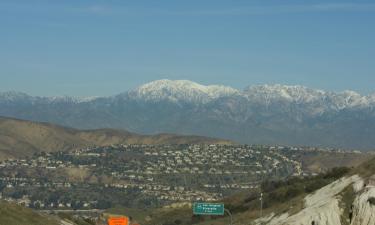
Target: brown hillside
{"points": [[19, 138]]}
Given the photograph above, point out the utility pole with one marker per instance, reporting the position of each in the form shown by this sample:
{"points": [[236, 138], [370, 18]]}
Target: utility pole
{"points": [[261, 204]]}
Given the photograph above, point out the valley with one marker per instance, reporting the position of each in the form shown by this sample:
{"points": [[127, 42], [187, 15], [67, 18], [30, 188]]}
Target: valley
{"points": [[87, 182], [81, 177]]}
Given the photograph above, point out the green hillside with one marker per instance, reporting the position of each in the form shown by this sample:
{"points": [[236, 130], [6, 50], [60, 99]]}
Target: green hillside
{"points": [[11, 214]]}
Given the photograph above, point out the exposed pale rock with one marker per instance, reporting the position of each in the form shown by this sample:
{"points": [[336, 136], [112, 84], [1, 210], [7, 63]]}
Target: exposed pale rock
{"points": [[321, 207], [363, 210]]}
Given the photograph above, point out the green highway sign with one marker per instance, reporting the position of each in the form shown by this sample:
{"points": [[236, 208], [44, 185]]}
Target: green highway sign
{"points": [[208, 209]]}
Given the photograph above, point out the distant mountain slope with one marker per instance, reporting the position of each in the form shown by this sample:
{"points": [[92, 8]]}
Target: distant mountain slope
{"points": [[22, 138], [264, 114]]}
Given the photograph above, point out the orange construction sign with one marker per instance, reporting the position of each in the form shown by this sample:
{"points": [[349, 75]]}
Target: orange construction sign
{"points": [[118, 221]]}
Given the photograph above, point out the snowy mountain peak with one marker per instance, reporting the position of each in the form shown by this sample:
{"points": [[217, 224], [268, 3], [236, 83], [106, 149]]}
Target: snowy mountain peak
{"points": [[300, 94], [13, 96], [294, 93], [185, 91], [351, 99], [182, 90], [69, 99], [278, 88]]}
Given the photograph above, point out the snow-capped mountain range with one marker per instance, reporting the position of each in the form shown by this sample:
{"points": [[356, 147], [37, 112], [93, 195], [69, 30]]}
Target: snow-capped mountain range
{"points": [[13, 96], [185, 91], [182, 90], [188, 91], [267, 114]]}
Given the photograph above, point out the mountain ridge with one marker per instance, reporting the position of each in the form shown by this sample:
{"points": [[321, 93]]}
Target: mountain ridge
{"points": [[262, 114], [185, 90]]}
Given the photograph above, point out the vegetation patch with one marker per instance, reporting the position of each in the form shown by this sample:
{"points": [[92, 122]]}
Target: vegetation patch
{"points": [[346, 203], [371, 200], [11, 214], [283, 191]]}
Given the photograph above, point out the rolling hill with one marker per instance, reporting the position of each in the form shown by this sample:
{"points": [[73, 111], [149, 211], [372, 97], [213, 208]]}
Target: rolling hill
{"points": [[20, 138]]}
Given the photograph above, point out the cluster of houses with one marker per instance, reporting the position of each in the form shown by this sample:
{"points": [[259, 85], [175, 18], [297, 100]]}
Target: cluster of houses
{"points": [[173, 173]]}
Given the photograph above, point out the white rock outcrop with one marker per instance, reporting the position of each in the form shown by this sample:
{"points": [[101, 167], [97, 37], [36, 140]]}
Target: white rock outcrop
{"points": [[363, 210], [321, 207]]}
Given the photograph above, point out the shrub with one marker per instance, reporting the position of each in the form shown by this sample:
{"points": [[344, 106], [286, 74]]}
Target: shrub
{"points": [[178, 222], [336, 173], [315, 185], [285, 190], [251, 198], [292, 192], [371, 200]]}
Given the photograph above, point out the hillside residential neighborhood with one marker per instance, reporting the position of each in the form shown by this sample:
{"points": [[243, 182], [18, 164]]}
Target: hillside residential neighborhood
{"points": [[154, 175]]}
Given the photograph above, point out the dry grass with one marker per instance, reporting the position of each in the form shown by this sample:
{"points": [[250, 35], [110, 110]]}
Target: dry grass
{"points": [[321, 162]]}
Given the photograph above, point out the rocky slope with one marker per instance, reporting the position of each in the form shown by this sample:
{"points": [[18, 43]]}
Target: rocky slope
{"points": [[346, 201], [363, 210]]}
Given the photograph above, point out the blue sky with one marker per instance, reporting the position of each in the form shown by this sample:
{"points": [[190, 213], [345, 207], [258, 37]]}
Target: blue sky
{"points": [[85, 48]]}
